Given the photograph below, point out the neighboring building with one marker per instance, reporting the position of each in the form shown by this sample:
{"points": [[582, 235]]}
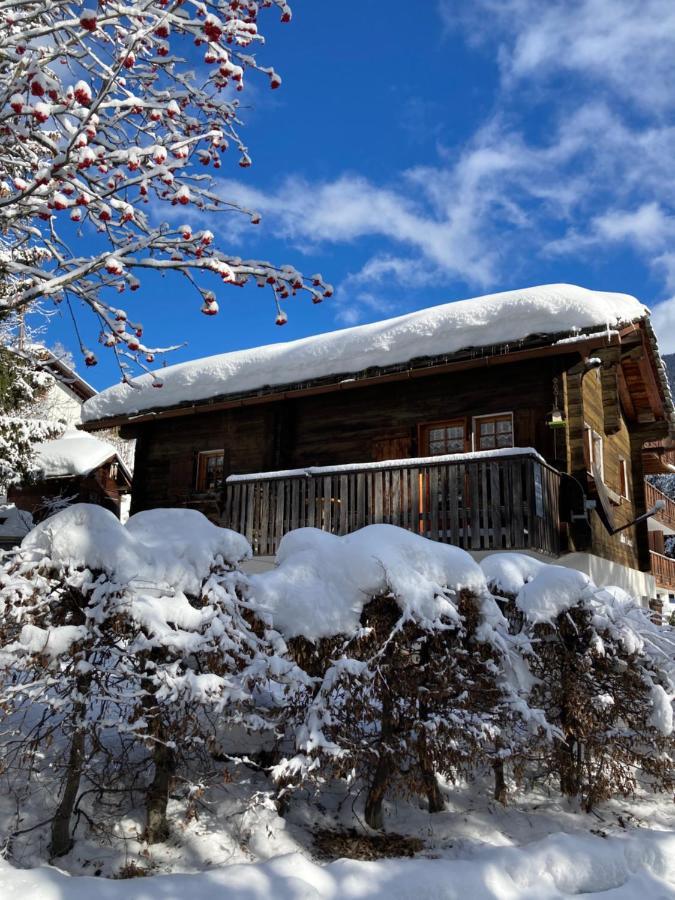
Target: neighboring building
{"points": [[69, 471], [77, 468], [63, 401], [423, 421]]}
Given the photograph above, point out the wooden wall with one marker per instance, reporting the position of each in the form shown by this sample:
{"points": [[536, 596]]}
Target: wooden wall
{"points": [[591, 398], [351, 426], [382, 421]]}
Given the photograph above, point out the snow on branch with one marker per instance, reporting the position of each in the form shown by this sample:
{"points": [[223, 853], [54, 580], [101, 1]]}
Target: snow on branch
{"points": [[107, 114]]}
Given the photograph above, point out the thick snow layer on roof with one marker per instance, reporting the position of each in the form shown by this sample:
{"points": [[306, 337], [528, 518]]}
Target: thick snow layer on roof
{"points": [[163, 547], [322, 582], [439, 330], [74, 453]]}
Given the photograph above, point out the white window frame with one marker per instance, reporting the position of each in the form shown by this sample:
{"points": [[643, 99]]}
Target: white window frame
{"points": [[623, 467], [593, 439], [474, 427]]}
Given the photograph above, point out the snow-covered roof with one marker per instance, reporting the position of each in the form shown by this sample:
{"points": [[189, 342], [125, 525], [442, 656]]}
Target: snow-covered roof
{"points": [[496, 319], [74, 453]]}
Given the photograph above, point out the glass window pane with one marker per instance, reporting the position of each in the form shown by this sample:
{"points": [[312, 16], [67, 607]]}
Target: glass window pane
{"points": [[212, 469], [436, 448], [504, 424], [487, 427], [436, 434], [487, 442], [504, 440]]}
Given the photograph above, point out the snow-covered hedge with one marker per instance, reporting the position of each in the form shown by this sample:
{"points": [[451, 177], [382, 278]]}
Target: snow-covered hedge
{"points": [[130, 640], [380, 658]]}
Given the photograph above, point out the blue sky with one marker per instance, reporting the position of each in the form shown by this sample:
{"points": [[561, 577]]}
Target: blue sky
{"points": [[423, 152]]}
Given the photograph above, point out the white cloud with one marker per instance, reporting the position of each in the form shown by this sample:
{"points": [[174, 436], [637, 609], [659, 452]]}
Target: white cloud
{"points": [[663, 320], [351, 207], [593, 177], [627, 46], [648, 229], [351, 308]]}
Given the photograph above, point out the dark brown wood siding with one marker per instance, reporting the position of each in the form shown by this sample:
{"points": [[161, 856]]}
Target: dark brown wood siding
{"points": [[340, 428]]}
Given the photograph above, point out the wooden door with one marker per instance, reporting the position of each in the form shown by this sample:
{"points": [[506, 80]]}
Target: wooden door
{"points": [[398, 446]]}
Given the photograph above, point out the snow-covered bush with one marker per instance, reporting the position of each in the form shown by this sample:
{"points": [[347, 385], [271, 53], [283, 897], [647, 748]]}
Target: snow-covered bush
{"points": [[605, 677], [130, 641], [410, 658]]}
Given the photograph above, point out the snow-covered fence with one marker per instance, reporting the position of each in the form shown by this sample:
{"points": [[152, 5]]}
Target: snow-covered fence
{"points": [[484, 501]]}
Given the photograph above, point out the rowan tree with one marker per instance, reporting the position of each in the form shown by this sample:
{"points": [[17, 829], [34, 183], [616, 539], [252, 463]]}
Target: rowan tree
{"points": [[109, 116]]}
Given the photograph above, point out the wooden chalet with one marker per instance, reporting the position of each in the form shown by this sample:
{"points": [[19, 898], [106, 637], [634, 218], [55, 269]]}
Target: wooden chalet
{"points": [[77, 468], [532, 430]]}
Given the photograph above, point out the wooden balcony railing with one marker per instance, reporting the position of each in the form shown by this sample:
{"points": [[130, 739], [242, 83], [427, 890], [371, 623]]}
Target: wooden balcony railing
{"points": [[663, 570], [666, 515], [481, 502]]}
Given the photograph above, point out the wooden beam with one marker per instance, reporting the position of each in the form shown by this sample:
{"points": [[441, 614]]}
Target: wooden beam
{"points": [[651, 386], [624, 394]]}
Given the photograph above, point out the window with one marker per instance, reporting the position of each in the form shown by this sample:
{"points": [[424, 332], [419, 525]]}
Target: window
{"points": [[593, 452], [493, 432], [623, 479], [210, 470], [440, 438]]}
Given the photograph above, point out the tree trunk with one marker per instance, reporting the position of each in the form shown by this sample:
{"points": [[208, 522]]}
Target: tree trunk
{"points": [[376, 794], [61, 840], [382, 775], [157, 796], [569, 769], [500, 794], [431, 787]]}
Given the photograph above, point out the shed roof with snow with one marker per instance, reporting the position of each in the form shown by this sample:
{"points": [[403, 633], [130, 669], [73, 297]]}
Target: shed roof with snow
{"points": [[75, 453]]}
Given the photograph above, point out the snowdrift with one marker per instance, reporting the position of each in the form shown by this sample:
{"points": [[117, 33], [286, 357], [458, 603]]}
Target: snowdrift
{"points": [[557, 867]]}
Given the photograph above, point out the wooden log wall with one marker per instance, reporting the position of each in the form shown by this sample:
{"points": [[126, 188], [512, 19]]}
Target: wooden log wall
{"points": [[348, 427]]}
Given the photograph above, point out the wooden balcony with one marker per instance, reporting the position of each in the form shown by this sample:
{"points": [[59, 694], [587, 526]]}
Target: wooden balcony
{"points": [[663, 570], [486, 502], [666, 515]]}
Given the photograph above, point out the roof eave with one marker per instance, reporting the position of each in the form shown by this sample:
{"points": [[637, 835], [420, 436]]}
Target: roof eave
{"points": [[351, 380]]}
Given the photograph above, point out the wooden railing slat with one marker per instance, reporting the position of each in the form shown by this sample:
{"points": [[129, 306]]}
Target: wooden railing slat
{"points": [[490, 504]]}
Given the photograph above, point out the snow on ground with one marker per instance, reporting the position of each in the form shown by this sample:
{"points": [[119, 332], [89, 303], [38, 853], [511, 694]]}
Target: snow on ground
{"points": [[74, 453], [448, 328], [538, 849]]}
